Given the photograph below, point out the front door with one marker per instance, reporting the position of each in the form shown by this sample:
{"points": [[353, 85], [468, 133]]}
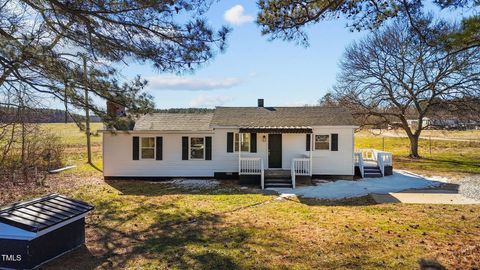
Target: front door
{"points": [[275, 150]]}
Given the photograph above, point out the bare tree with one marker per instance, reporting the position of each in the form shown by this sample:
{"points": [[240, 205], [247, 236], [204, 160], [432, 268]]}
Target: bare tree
{"points": [[25, 145], [395, 74]]}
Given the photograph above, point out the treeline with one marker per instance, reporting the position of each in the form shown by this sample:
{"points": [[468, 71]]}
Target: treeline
{"points": [[42, 115]]}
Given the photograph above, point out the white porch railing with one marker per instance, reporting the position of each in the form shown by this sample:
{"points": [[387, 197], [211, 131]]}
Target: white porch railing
{"points": [[368, 154], [359, 162], [384, 159], [381, 158], [252, 166], [300, 166]]}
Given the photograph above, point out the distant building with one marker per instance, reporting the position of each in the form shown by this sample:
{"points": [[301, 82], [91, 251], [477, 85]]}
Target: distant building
{"points": [[413, 123]]}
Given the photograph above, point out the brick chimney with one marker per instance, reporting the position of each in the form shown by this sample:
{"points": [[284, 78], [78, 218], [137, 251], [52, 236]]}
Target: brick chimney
{"points": [[115, 110]]}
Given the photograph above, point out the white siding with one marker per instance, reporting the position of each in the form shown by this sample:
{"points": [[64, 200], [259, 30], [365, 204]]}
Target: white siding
{"points": [[335, 162], [117, 155]]}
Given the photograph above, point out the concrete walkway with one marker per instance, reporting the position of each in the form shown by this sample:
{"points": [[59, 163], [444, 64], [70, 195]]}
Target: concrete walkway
{"points": [[399, 181], [401, 187], [445, 194]]}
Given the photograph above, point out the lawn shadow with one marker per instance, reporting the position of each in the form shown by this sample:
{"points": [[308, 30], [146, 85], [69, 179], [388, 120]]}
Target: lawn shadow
{"points": [[166, 187], [356, 201], [70, 260], [158, 188], [95, 167], [177, 238]]}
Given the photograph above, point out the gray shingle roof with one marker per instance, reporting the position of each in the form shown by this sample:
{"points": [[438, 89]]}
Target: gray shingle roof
{"points": [[174, 121], [247, 117], [282, 116]]}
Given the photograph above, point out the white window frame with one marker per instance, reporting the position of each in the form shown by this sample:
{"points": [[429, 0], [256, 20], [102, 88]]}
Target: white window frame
{"points": [[235, 143], [154, 148], [329, 142], [190, 147]]}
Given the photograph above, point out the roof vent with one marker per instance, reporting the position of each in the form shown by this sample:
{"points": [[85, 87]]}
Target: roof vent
{"points": [[260, 102]]}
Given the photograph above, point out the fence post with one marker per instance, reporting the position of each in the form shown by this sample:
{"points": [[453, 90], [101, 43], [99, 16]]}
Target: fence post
{"points": [[383, 143], [430, 139]]}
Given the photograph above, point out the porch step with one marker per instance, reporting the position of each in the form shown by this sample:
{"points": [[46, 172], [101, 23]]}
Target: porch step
{"points": [[278, 182], [371, 172], [278, 174], [278, 179]]}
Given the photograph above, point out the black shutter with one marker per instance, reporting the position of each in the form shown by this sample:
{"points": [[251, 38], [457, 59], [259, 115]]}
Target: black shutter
{"points": [[253, 142], [308, 142], [208, 148], [184, 148], [135, 148], [230, 142], [334, 142], [159, 148]]}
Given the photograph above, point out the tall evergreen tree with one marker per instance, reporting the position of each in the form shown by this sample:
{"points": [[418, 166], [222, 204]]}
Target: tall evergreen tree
{"points": [[42, 44], [286, 19]]}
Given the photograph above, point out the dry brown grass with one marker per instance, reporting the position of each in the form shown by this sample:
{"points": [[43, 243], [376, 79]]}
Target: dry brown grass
{"points": [[161, 226], [141, 225]]}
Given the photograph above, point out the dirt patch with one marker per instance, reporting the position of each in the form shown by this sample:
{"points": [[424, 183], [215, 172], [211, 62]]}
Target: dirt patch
{"points": [[15, 192]]}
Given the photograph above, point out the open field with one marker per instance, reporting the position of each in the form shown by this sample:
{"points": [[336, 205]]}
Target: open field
{"points": [[74, 141], [439, 134], [71, 135], [447, 157]]}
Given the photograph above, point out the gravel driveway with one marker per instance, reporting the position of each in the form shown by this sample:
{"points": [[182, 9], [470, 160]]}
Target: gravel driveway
{"points": [[470, 187]]}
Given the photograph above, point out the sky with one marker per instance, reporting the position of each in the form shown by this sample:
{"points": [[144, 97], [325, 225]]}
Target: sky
{"points": [[252, 67], [282, 73]]}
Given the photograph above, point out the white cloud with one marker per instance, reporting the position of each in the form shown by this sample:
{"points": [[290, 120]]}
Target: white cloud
{"points": [[235, 15], [210, 101], [191, 83]]}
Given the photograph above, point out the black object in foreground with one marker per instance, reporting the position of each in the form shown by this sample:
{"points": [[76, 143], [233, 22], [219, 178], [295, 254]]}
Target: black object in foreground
{"points": [[37, 231]]}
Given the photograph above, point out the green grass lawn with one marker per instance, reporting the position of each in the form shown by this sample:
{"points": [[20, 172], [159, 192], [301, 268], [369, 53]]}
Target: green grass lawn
{"points": [[143, 225]]}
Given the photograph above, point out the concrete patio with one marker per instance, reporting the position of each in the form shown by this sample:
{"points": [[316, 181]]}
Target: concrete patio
{"points": [[402, 186]]}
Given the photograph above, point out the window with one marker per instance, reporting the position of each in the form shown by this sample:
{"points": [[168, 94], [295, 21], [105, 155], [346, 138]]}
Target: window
{"points": [[148, 148], [245, 142], [322, 142], [197, 148]]}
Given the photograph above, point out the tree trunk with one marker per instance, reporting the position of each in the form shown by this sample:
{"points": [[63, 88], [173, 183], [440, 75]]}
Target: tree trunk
{"points": [[414, 146], [87, 113]]}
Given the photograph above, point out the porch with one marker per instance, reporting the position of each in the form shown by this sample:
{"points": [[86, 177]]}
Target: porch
{"points": [[373, 163], [284, 154]]}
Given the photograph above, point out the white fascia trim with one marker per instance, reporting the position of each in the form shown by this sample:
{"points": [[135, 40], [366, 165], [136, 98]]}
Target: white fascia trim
{"points": [[311, 126], [335, 127], [133, 132], [15, 233], [11, 232]]}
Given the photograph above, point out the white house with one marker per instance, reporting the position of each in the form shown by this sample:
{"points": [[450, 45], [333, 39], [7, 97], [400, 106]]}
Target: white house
{"points": [[270, 146]]}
